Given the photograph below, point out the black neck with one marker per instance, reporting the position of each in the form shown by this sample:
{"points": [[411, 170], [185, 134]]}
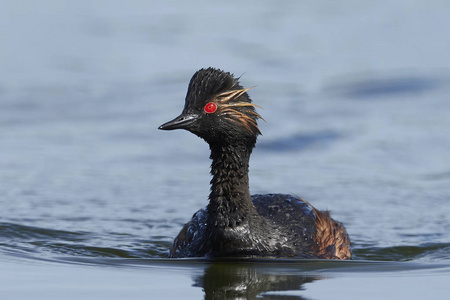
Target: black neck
{"points": [[229, 201]]}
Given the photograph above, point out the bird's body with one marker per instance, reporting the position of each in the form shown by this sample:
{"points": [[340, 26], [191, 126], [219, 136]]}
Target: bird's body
{"points": [[283, 226], [234, 223]]}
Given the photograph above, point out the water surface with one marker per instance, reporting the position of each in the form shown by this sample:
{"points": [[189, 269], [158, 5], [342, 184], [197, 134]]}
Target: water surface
{"points": [[355, 99]]}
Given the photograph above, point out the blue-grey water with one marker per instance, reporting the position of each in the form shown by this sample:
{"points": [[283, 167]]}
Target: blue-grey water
{"points": [[356, 98]]}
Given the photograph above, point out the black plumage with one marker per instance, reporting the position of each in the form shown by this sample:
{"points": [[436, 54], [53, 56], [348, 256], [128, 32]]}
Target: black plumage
{"points": [[234, 223]]}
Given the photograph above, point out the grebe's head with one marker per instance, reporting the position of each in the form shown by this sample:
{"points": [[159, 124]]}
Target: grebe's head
{"points": [[217, 109]]}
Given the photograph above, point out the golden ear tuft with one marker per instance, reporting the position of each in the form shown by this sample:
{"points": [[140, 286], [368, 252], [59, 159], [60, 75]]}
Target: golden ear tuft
{"points": [[229, 109], [227, 96], [241, 118]]}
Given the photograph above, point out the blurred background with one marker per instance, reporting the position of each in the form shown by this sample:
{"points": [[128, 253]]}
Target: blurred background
{"points": [[354, 94]]}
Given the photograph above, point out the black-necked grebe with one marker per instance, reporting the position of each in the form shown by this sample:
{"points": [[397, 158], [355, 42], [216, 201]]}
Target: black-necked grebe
{"points": [[234, 223]]}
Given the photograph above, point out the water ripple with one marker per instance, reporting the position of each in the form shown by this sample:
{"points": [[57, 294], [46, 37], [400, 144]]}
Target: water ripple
{"points": [[404, 253], [300, 142], [387, 87], [35, 241]]}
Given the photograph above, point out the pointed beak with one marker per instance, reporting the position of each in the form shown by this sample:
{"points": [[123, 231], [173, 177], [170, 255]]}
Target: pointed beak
{"points": [[181, 122]]}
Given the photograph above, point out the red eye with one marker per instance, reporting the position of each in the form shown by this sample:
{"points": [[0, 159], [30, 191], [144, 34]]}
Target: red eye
{"points": [[210, 108]]}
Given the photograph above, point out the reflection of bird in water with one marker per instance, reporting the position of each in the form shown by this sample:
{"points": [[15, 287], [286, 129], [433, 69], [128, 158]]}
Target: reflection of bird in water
{"points": [[244, 281], [219, 110]]}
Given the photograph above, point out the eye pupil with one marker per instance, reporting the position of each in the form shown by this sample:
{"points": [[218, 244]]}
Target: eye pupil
{"points": [[210, 108]]}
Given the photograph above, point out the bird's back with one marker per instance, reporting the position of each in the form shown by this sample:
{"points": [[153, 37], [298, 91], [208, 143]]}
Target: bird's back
{"points": [[285, 226], [291, 222], [307, 231]]}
